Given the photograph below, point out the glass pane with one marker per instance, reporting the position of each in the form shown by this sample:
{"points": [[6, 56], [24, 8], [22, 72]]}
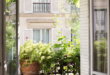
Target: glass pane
{"points": [[11, 56], [100, 36], [36, 36], [45, 36]]}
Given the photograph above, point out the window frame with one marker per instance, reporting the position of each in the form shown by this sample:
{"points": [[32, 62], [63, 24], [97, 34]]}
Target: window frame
{"points": [[3, 37], [91, 40]]}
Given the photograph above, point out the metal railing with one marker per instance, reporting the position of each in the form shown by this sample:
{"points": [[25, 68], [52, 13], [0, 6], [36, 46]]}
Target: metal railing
{"points": [[41, 7]]}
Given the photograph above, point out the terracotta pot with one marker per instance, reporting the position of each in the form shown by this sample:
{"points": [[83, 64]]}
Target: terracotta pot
{"points": [[30, 69]]}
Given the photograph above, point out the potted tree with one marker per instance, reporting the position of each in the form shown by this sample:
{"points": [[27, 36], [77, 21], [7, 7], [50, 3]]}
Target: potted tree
{"points": [[34, 57], [29, 58]]}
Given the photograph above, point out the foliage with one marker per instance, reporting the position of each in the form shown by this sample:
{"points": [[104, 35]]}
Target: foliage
{"points": [[37, 52], [75, 2], [27, 50], [11, 48], [66, 51], [100, 54], [100, 46], [10, 41], [47, 55], [8, 2]]}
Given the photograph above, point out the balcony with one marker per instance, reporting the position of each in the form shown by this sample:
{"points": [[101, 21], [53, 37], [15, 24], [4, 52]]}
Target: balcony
{"points": [[41, 7]]}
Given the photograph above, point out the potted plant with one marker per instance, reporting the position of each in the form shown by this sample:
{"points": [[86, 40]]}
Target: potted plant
{"points": [[46, 58], [29, 58]]}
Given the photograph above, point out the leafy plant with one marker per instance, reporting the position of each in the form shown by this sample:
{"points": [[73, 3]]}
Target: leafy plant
{"points": [[100, 54], [46, 58], [67, 52], [30, 52], [38, 52]]}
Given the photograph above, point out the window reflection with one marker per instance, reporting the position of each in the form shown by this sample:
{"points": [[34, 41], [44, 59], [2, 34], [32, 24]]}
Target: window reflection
{"points": [[11, 59], [100, 36]]}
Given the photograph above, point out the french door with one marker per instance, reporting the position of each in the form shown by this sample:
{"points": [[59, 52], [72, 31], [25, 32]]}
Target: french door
{"points": [[9, 37], [99, 26], [41, 35]]}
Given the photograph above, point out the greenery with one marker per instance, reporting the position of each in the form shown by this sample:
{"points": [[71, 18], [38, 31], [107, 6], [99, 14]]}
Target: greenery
{"points": [[48, 56], [100, 54], [37, 53], [10, 40], [66, 51]]}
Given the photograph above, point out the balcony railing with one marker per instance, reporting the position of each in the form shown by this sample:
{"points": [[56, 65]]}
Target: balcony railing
{"points": [[41, 7]]}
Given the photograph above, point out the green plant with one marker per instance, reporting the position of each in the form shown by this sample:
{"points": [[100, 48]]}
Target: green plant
{"points": [[100, 54], [38, 52], [67, 52], [46, 58], [28, 52]]}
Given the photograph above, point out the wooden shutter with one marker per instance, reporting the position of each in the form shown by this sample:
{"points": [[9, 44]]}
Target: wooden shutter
{"points": [[55, 35], [28, 6], [28, 34], [65, 6], [67, 32], [85, 26], [54, 6]]}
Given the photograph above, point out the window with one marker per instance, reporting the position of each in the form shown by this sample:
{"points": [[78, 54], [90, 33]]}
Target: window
{"points": [[100, 41], [41, 35], [41, 6]]}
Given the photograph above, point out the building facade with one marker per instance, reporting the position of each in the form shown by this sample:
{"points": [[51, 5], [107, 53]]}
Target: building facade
{"points": [[37, 23]]}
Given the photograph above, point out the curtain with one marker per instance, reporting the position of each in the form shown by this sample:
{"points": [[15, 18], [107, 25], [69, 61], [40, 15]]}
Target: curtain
{"points": [[45, 36], [36, 36]]}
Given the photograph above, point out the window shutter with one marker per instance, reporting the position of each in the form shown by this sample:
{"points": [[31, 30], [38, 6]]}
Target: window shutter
{"points": [[55, 35], [28, 34], [28, 6], [67, 32], [54, 6], [66, 7]]}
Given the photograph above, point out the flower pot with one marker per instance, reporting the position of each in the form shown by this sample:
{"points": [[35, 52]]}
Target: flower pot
{"points": [[30, 69]]}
